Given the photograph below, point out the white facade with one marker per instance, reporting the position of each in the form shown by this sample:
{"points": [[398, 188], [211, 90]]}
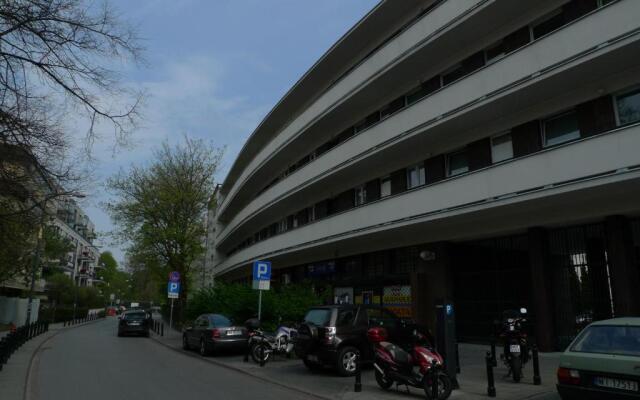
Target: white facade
{"points": [[81, 263], [573, 54]]}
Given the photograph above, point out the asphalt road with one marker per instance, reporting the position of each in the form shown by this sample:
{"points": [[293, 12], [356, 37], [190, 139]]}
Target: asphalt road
{"points": [[91, 362]]}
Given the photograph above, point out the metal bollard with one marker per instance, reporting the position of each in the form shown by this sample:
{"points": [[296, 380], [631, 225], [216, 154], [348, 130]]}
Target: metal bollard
{"points": [[536, 366], [434, 379], [494, 361], [162, 329], [491, 385], [357, 387], [457, 358]]}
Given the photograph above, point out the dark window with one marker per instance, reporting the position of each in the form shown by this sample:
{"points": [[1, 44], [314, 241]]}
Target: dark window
{"points": [[345, 317], [560, 129], [526, 138], [479, 154], [550, 23], [457, 163], [495, 51], [318, 316], [424, 89], [435, 169], [373, 190], [628, 107], [453, 74], [393, 107], [577, 8], [367, 122], [346, 134], [596, 116], [399, 181], [623, 340]]}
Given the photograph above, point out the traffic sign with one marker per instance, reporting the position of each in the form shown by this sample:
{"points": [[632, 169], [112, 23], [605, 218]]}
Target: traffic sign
{"points": [[261, 275], [173, 290], [174, 276]]}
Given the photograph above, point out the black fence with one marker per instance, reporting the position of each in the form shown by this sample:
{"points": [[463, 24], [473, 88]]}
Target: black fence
{"points": [[16, 338]]}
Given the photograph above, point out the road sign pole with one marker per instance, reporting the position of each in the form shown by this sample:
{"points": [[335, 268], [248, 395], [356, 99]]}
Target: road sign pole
{"points": [[171, 315], [259, 305]]}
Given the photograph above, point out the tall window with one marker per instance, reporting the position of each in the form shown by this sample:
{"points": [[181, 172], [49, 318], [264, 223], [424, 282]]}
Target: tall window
{"points": [[385, 186], [457, 163], [547, 24], [360, 195], [560, 129], [501, 148], [415, 176], [494, 52], [628, 107]]}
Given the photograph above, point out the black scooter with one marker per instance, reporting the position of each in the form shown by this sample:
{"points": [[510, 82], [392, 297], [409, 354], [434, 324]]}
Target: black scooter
{"points": [[516, 347]]}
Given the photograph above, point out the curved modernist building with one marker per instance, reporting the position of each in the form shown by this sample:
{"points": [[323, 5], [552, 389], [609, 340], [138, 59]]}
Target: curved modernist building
{"points": [[483, 152]]}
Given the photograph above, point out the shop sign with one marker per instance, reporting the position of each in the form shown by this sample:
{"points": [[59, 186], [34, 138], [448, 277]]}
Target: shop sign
{"points": [[397, 298]]}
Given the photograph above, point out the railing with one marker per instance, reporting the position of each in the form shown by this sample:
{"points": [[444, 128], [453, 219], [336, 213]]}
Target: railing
{"points": [[19, 336]]}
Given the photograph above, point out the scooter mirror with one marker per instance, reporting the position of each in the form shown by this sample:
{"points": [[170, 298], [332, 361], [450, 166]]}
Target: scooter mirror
{"points": [[523, 310]]}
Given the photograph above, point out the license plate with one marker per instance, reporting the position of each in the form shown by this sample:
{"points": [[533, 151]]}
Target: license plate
{"points": [[134, 323], [620, 384], [514, 348], [313, 358], [234, 333]]}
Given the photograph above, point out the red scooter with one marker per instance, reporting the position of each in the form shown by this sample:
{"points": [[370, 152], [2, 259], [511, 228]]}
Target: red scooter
{"points": [[395, 365]]}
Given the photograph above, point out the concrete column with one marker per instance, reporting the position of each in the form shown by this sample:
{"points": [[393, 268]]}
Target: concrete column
{"points": [[622, 269], [541, 289]]}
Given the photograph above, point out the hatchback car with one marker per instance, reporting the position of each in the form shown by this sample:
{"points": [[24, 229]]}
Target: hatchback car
{"points": [[603, 362], [213, 332], [134, 322], [334, 335]]}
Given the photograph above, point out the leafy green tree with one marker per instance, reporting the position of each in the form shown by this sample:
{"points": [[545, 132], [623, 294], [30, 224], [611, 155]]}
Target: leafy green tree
{"points": [[56, 247], [160, 208], [116, 282], [17, 241], [60, 289]]}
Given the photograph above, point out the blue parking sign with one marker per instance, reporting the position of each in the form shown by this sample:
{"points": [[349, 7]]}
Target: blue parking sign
{"points": [[262, 271], [173, 290]]}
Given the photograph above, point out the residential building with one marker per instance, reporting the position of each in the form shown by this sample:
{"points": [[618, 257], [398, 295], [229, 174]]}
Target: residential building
{"points": [[483, 153]]}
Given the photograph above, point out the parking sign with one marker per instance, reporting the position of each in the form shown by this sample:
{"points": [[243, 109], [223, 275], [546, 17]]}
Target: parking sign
{"points": [[261, 275], [173, 290]]}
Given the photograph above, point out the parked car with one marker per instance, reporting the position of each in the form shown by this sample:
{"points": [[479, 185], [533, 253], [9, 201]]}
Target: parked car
{"points": [[134, 322], [213, 332], [603, 362], [334, 335]]}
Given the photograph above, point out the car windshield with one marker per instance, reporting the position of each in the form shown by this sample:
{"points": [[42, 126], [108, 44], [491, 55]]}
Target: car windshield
{"points": [[220, 321], [318, 316], [618, 340], [135, 315]]}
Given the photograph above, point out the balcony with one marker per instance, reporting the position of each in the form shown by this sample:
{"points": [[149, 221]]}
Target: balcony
{"points": [[569, 183], [573, 63]]}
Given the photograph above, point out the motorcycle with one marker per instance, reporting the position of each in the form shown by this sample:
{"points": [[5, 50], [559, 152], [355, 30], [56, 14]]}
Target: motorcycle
{"points": [[262, 345], [414, 368], [516, 347]]}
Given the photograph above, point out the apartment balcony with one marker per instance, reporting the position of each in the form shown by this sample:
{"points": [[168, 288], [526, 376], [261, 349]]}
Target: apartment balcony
{"points": [[559, 185], [574, 64]]}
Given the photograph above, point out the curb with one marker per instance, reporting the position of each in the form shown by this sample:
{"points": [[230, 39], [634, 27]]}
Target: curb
{"points": [[240, 370], [30, 368]]}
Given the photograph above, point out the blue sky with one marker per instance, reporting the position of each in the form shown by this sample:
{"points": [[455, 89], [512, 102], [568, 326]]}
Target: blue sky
{"points": [[214, 69]]}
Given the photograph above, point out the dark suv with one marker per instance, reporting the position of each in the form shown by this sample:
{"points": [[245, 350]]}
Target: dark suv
{"points": [[333, 335]]}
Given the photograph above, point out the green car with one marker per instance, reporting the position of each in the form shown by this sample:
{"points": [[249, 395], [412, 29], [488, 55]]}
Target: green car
{"points": [[603, 362]]}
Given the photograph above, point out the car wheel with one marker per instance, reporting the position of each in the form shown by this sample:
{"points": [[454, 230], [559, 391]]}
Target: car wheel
{"points": [[516, 369], [185, 343], [203, 348], [347, 360]]}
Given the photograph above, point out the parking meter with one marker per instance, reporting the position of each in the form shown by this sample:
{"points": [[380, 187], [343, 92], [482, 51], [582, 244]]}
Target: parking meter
{"points": [[446, 343]]}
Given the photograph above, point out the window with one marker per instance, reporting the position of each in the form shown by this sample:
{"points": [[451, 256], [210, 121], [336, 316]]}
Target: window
{"points": [[392, 107], [602, 3], [494, 52], [560, 129], [501, 148], [282, 225], [609, 339], [220, 321], [360, 195], [628, 107], [367, 122], [547, 24], [452, 74], [457, 163], [385, 186], [415, 176]]}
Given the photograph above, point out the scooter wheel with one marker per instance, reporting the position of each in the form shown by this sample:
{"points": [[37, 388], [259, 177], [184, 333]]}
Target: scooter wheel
{"points": [[256, 352], [444, 387], [383, 381]]}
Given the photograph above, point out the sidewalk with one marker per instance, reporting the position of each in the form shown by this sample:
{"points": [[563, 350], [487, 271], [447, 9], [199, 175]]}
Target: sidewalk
{"points": [[472, 379], [13, 376]]}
